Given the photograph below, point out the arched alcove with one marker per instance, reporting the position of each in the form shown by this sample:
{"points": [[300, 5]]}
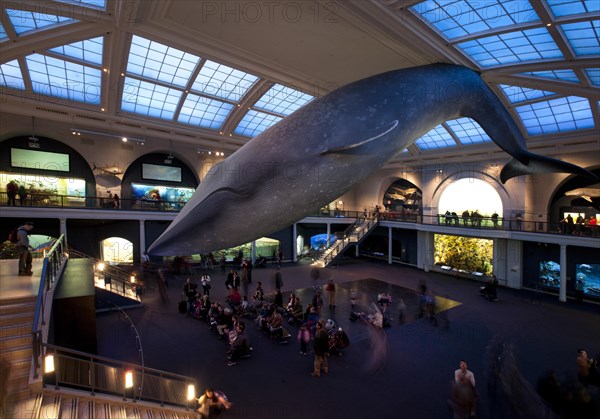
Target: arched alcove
{"points": [[51, 172], [158, 178], [577, 194], [469, 191], [404, 197], [116, 250]]}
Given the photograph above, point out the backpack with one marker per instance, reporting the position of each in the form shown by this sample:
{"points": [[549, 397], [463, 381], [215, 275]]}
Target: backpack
{"points": [[13, 236]]}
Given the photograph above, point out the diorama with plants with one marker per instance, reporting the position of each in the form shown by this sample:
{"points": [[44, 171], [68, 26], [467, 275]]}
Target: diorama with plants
{"points": [[464, 253]]}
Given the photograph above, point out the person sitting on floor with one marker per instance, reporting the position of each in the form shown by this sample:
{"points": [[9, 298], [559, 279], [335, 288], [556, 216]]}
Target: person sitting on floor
{"points": [[275, 323], [238, 344]]}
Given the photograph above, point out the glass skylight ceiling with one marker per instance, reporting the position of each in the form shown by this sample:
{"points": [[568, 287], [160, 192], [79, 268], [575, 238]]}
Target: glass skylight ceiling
{"points": [[10, 75], [89, 50], [64, 79], [181, 85], [517, 94], [573, 7], [557, 115], [451, 133], [24, 21], [455, 18]]}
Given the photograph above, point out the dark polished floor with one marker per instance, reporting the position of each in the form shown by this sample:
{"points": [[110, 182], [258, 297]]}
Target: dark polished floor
{"points": [[407, 374]]}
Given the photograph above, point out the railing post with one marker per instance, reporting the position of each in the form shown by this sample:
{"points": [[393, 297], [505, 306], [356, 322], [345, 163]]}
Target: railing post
{"points": [[162, 390], [92, 376]]}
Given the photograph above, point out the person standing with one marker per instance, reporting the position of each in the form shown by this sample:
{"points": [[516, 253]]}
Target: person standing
{"points": [[205, 282], [278, 280], [117, 201], [11, 192], [22, 195], [303, 338], [23, 248], [464, 395], [330, 288], [320, 346]]}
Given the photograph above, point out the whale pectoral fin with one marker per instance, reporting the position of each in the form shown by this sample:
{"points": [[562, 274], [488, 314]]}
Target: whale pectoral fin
{"points": [[357, 146], [541, 164]]}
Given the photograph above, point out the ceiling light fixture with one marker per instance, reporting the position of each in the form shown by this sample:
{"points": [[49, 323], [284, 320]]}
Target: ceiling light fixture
{"points": [[78, 131]]}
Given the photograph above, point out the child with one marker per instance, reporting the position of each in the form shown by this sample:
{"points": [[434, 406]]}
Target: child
{"points": [[303, 338]]}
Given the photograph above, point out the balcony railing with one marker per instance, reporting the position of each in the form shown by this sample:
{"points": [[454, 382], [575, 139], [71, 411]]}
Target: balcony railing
{"points": [[93, 202]]}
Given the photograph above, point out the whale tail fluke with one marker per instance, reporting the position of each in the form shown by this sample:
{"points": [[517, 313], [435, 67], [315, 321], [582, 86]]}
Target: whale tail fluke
{"points": [[540, 164]]}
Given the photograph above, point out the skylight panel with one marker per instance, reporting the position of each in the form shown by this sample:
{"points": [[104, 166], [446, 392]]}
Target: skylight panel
{"points": [[283, 100], [564, 75], [89, 50], [557, 115], [584, 37], [149, 99], [160, 62], [438, 137], [594, 75], [573, 7], [63, 79], [24, 21], [101, 4], [10, 75], [468, 131], [466, 17], [3, 34], [222, 81], [517, 94], [512, 47], [255, 122], [204, 112]]}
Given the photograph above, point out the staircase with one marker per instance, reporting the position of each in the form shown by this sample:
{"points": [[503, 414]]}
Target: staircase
{"points": [[79, 405], [16, 319], [353, 235]]}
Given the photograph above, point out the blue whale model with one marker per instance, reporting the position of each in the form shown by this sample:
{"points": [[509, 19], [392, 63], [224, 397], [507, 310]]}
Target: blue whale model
{"points": [[324, 149]]}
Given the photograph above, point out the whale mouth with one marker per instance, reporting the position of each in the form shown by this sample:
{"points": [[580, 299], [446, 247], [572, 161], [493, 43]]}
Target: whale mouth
{"points": [[372, 136]]}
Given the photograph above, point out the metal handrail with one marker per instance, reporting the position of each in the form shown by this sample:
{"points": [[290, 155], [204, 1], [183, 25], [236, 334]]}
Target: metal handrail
{"points": [[51, 273], [98, 374], [357, 229], [120, 276]]}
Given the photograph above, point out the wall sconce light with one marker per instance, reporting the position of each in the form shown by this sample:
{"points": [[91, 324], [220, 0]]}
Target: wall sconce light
{"points": [[128, 379], [191, 392], [100, 266], [49, 364], [132, 279]]}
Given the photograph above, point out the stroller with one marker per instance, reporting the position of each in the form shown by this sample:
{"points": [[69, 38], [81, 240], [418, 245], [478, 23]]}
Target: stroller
{"points": [[337, 338]]}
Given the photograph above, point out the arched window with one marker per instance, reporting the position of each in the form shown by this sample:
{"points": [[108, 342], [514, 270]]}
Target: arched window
{"points": [[472, 195], [117, 250]]}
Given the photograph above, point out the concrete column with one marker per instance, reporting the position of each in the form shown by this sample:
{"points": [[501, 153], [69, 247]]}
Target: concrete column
{"points": [[63, 226], [253, 252], [562, 295], [390, 245], [142, 239], [428, 250], [294, 243], [328, 233], [356, 250]]}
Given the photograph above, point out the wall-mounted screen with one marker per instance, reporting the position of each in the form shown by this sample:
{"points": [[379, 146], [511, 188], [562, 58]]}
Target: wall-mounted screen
{"points": [[160, 172], [550, 274], [42, 160], [588, 278]]}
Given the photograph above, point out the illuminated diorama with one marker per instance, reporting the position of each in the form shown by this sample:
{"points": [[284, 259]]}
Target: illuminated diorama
{"points": [[464, 254], [45, 190], [588, 278]]}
